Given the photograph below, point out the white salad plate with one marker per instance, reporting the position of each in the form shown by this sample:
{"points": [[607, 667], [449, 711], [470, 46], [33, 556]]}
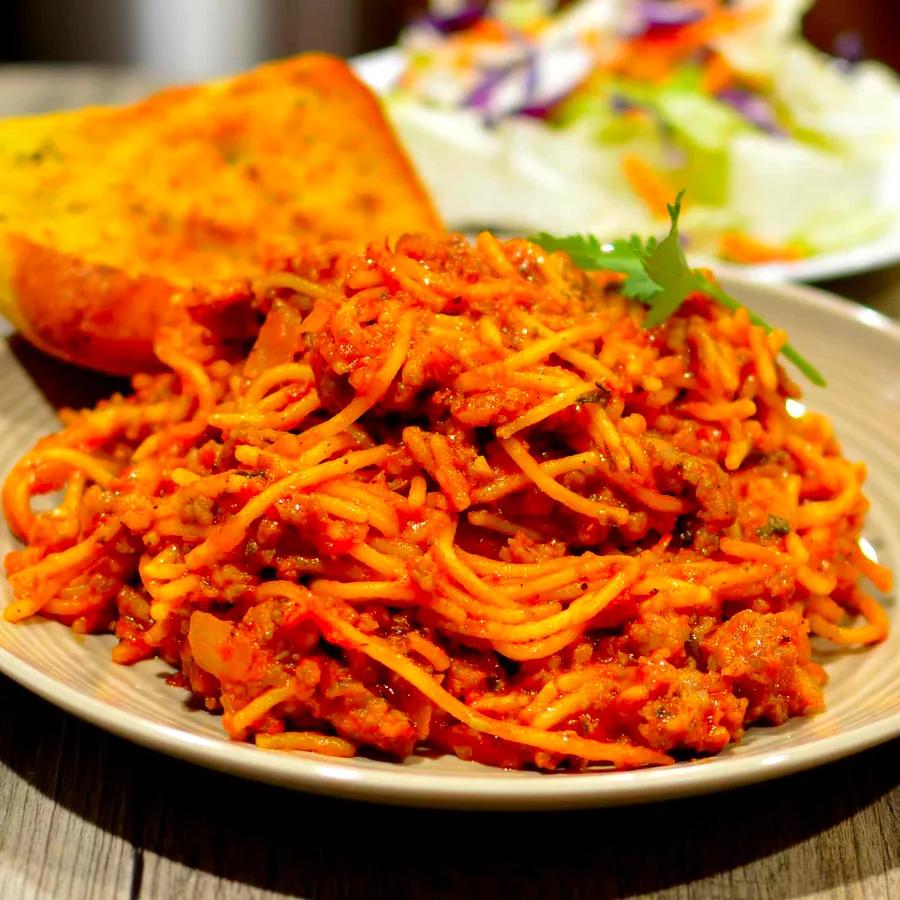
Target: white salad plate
{"points": [[857, 349], [381, 69]]}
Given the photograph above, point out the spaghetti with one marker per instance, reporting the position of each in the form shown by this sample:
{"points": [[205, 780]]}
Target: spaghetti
{"points": [[456, 498]]}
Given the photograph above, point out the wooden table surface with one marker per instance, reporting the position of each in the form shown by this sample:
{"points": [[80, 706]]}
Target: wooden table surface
{"points": [[87, 815]]}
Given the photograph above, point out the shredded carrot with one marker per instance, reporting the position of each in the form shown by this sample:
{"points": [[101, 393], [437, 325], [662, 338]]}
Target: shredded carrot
{"points": [[649, 184], [717, 74], [748, 250]]}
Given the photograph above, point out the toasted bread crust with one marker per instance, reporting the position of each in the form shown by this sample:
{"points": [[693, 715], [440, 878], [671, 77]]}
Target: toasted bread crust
{"points": [[109, 213], [93, 315]]}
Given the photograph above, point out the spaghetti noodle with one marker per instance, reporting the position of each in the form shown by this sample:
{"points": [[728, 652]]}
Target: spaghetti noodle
{"points": [[455, 497]]}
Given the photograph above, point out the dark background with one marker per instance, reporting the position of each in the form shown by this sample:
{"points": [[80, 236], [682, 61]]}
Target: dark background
{"points": [[188, 45]]}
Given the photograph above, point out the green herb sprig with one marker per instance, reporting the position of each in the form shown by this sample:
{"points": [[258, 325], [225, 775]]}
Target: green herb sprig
{"points": [[658, 275]]}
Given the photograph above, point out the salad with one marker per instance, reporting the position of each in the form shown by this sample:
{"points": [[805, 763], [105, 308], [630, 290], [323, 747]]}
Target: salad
{"points": [[592, 117]]}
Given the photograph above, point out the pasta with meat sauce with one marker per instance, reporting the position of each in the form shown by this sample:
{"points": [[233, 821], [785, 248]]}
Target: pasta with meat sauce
{"points": [[452, 497]]}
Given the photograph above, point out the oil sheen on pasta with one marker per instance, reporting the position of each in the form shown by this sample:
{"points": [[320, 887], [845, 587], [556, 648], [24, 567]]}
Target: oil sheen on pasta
{"points": [[454, 498]]}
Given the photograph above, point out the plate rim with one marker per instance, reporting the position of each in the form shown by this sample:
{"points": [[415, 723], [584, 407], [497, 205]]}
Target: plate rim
{"points": [[485, 789]]}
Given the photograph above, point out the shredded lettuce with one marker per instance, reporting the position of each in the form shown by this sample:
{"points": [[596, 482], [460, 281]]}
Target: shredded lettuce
{"points": [[776, 189], [519, 176], [689, 129], [701, 120], [853, 112], [551, 141], [520, 13], [680, 104], [756, 49]]}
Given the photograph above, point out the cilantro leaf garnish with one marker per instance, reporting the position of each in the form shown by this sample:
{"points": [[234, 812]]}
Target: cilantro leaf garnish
{"points": [[583, 249], [624, 256], [658, 275], [667, 266], [629, 254]]}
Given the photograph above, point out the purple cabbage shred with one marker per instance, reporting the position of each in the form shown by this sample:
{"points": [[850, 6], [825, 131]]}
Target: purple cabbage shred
{"points": [[466, 16], [849, 47], [668, 13], [755, 109]]}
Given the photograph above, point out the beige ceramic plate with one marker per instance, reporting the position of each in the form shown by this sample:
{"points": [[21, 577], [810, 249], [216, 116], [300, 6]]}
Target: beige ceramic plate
{"points": [[859, 352]]}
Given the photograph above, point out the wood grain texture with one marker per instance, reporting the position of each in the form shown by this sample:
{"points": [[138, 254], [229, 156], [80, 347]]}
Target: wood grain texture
{"points": [[87, 815], [63, 831]]}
